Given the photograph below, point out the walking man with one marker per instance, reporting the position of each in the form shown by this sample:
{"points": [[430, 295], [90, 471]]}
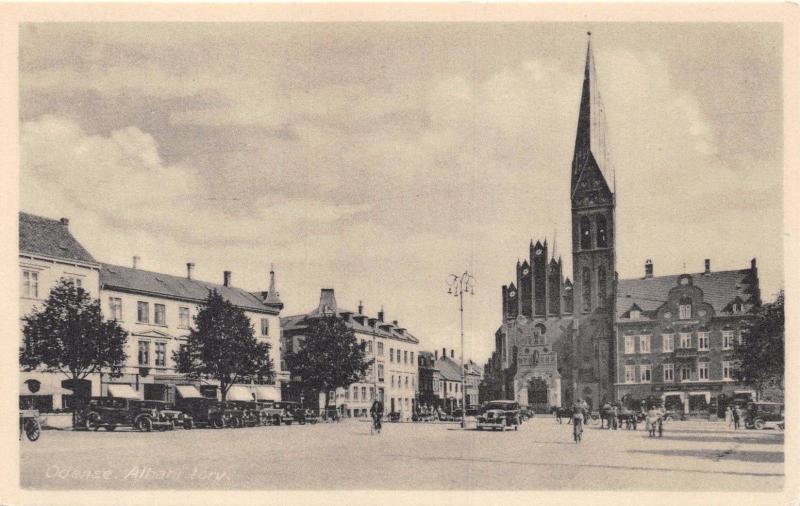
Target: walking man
{"points": [[737, 416], [728, 417]]}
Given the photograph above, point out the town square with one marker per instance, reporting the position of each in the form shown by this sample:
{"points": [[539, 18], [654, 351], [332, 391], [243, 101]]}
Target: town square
{"points": [[388, 256]]}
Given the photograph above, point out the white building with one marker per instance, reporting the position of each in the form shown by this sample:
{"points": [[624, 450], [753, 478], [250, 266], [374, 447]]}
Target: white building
{"points": [[394, 349]]}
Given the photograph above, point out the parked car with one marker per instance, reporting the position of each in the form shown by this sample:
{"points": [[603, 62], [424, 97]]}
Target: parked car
{"points": [[288, 409], [251, 412], [203, 411], [525, 414], [394, 416], [760, 415], [168, 413], [500, 415], [113, 412]]}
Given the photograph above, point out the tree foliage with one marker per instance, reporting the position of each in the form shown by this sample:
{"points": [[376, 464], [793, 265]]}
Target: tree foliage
{"points": [[69, 335], [760, 355], [222, 346], [329, 357]]}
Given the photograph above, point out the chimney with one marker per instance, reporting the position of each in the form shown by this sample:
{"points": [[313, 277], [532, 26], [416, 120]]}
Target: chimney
{"points": [[708, 266], [189, 269], [452, 353], [136, 260], [360, 307], [394, 322], [444, 352], [380, 315], [436, 354], [226, 278], [648, 268], [65, 222]]}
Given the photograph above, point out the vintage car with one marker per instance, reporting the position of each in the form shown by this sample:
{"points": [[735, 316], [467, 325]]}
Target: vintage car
{"points": [[252, 413], [167, 412], [499, 415], [113, 412], [760, 415], [201, 410], [287, 412]]}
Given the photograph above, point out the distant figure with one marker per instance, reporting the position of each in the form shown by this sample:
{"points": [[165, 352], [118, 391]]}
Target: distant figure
{"points": [[737, 417], [728, 417], [615, 417], [653, 417], [577, 424]]}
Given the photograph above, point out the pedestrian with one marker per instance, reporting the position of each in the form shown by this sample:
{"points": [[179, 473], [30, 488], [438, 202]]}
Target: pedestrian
{"points": [[615, 417], [577, 424], [728, 417], [653, 416], [737, 416]]}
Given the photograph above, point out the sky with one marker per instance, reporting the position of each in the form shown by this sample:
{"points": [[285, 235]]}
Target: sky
{"points": [[378, 158]]}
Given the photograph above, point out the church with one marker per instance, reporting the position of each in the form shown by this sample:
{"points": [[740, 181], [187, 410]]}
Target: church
{"points": [[557, 342]]}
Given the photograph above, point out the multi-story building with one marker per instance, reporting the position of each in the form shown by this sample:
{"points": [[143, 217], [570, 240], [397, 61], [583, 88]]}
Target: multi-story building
{"points": [[675, 336], [158, 311], [395, 350], [428, 383], [474, 377], [48, 253], [450, 391]]}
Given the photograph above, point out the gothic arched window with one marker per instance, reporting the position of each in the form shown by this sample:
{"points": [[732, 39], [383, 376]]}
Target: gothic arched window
{"points": [[602, 232], [586, 281], [586, 233], [601, 287]]}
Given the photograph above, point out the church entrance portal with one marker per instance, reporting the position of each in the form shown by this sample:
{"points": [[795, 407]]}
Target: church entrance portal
{"points": [[537, 395]]}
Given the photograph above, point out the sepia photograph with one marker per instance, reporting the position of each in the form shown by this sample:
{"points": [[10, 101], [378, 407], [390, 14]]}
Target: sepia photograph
{"points": [[420, 255]]}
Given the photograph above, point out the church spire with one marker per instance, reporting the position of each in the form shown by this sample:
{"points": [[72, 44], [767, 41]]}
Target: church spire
{"points": [[273, 297], [590, 140]]}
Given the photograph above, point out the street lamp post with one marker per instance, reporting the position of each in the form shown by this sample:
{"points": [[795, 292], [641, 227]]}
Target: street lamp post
{"points": [[457, 286]]}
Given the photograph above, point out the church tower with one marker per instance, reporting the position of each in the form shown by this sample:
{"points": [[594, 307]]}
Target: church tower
{"points": [[592, 197]]}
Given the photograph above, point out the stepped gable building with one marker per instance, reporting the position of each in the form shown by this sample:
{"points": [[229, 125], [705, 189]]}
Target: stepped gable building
{"points": [[557, 332], [598, 338], [675, 336], [392, 346]]}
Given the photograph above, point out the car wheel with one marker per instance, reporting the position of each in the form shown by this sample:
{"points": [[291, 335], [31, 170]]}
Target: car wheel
{"points": [[236, 423], [276, 420], [217, 423], [516, 427], [288, 422], [758, 424], [480, 428], [144, 424], [92, 421], [188, 424], [32, 430], [110, 428]]}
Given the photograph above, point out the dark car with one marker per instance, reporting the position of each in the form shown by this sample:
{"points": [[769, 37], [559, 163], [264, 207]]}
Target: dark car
{"points": [[288, 410], [250, 412], [113, 412], [203, 411], [760, 415], [500, 415], [167, 412]]}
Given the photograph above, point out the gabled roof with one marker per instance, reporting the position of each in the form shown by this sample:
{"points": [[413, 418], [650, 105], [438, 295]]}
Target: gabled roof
{"points": [[382, 329], [50, 238], [719, 289], [128, 279], [448, 368]]}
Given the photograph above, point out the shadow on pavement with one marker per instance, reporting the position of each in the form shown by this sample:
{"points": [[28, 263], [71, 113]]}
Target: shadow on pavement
{"points": [[719, 439], [716, 455]]}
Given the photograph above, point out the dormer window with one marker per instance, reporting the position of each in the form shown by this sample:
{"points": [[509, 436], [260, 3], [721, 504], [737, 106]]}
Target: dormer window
{"points": [[685, 308], [635, 314], [736, 307]]}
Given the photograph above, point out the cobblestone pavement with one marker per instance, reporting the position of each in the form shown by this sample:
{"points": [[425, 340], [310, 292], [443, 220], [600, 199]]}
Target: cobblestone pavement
{"points": [[540, 456]]}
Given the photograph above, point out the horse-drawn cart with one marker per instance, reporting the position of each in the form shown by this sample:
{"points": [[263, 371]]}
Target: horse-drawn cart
{"points": [[29, 424]]}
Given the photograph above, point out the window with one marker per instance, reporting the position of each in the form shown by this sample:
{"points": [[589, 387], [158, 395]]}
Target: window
{"points": [[669, 372], [398, 355], [115, 306], [635, 314], [727, 370], [685, 309], [686, 374], [144, 352], [142, 312], [586, 234], [161, 354], [668, 342], [644, 344], [264, 327], [183, 317], [371, 392], [736, 307], [183, 352], [75, 281], [30, 284], [391, 354], [629, 344], [369, 347], [355, 393], [601, 287], [686, 339], [412, 358], [364, 393], [702, 370], [160, 314], [702, 340], [405, 356], [380, 372], [727, 339], [602, 234], [587, 289], [406, 382], [380, 349], [392, 379], [630, 376], [644, 373]]}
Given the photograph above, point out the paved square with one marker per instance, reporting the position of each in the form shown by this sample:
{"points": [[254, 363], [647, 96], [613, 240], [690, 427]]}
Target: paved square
{"points": [[540, 456]]}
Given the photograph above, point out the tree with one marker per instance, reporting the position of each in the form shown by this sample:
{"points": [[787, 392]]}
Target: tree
{"points": [[222, 346], [760, 355], [69, 335], [329, 357]]}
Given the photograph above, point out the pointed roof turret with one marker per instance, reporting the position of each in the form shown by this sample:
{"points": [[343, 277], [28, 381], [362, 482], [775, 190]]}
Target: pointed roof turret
{"points": [[590, 141], [273, 297]]}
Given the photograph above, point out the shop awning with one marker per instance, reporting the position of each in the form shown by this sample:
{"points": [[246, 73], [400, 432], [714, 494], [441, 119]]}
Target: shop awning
{"points": [[122, 391], [267, 393], [188, 391], [239, 393]]}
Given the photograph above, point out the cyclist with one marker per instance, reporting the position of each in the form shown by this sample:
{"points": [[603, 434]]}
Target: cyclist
{"points": [[376, 412]]}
